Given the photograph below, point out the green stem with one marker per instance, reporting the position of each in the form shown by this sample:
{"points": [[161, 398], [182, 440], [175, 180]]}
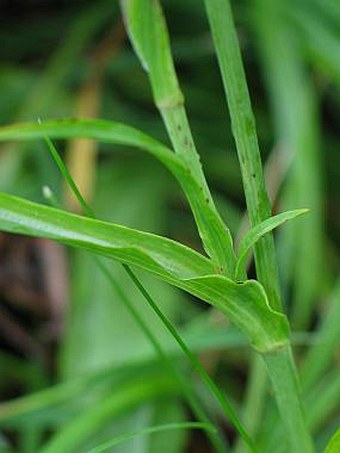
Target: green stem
{"points": [[320, 402], [149, 35], [244, 131], [282, 373], [280, 363], [216, 238]]}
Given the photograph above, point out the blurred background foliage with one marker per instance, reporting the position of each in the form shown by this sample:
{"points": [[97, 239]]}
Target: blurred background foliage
{"points": [[60, 319]]}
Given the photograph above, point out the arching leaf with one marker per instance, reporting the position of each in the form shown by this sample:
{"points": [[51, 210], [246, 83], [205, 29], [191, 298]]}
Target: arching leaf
{"points": [[245, 304]]}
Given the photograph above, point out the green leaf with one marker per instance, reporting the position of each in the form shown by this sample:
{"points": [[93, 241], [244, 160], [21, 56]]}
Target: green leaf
{"points": [[164, 257], [258, 231], [154, 339], [101, 130], [333, 445], [245, 304], [211, 227]]}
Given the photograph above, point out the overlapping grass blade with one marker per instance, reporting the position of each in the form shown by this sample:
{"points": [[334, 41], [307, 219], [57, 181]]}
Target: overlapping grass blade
{"points": [[191, 394], [112, 132], [245, 304], [100, 130], [164, 257]]}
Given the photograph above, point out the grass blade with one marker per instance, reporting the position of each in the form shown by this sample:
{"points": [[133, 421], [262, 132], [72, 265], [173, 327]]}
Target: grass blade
{"points": [[200, 201], [151, 430], [258, 231], [245, 304], [192, 397], [333, 445], [163, 256], [173, 264]]}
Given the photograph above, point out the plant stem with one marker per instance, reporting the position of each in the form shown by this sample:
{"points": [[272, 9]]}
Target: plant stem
{"points": [[280, 363], [212, 229], [149, 35], [320, 402], [281, 369], [244, 131]]}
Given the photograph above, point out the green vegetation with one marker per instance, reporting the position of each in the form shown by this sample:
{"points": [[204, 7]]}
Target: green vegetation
{"points": [[127, 358]]}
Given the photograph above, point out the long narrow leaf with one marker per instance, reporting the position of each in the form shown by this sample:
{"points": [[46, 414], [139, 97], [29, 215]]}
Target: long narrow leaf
{"points": [[245, 304], [190, 393], [210, 226], [258, 231], [161, 256], [101, 130]]}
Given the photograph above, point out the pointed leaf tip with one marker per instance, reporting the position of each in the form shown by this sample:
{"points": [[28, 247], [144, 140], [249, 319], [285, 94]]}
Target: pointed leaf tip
{"points": [[257, 232]]}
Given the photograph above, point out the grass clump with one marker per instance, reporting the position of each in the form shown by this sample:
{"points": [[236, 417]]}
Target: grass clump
{"points": [[130, 394]]}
